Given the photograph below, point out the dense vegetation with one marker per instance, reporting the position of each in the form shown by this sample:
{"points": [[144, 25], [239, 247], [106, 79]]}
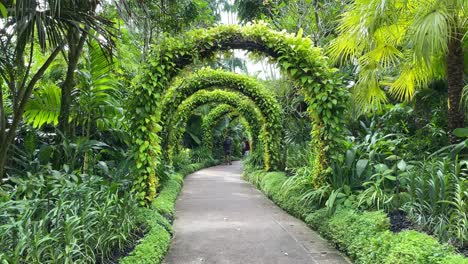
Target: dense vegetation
{"points": [[105, 106]]}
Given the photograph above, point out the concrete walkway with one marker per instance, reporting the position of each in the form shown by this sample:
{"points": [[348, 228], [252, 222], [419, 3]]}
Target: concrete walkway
{"points": [[220, 218]]}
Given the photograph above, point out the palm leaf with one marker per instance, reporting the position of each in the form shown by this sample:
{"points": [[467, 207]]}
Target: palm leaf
{"points": [[431, 30], [3, 10], [44, 107], [465, 99], [414, 74], [97, 92]]}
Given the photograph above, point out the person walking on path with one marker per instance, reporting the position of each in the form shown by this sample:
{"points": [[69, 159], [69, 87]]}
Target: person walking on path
{"points": [[227, 144], [246, 147]]}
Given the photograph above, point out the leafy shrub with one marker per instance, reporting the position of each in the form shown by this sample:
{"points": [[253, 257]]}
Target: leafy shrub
{"points": [[182, 159], [158, 218], [255, 159], [151, 248], [200, 155], [364, 236], [438, 191], [63, 217], [411, 246], [164, 202], [351, 230]]}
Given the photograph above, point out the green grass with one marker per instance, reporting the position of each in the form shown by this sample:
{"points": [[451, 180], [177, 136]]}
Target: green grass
{"points": [[158, 220], [363, 236]]}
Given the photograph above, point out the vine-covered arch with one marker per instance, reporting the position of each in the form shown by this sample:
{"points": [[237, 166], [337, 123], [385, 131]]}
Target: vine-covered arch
{"points": [[238, 101], [208, 78], [295, 55], [210, 120]]}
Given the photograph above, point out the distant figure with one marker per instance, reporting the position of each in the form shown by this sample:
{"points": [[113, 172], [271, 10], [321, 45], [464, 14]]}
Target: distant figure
{"points": [[246, 147], [227, 144]]}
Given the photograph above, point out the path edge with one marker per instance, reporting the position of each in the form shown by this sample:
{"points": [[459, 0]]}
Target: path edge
{"points": [[159, 218], [360, 236]]}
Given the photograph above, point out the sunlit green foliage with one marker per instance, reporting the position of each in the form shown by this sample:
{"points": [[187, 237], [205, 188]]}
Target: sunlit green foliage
{"points": [[364, 236], [242, 104], [64, 217], [213, 117], [296, 56], [254, 90], [401, 46]]}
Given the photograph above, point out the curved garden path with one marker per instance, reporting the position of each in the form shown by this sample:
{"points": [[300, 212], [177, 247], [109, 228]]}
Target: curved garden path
{"points": [[220, 218]]}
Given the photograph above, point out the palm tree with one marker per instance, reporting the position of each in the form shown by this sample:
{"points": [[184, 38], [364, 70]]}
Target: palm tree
{"points": [[98, 98], [402, 45], [27, 23]]}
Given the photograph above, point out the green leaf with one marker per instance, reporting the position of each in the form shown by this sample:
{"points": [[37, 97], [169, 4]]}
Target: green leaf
{"points": [[361, 166], [389, 177], [401, 165], [3, 10], [392, 157], [44, 108], [461, 132], [350, 156]]}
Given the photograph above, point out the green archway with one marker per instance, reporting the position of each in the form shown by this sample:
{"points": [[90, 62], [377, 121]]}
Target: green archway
{"points": [[238, 101], [211, 119], [294, 54], [208, 79]]}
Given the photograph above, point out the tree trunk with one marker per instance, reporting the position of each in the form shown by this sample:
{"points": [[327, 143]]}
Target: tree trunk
{"points": [[455, 67], [317, 23], [18, 110], [75, 44], [3, 159]]}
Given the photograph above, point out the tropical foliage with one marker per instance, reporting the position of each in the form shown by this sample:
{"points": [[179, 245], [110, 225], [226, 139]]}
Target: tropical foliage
{"points": [[295, 55], [105, 106], [403, 46], [255, 91], [243, 104]]}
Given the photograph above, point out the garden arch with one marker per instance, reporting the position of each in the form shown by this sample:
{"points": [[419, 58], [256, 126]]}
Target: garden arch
{"points": [[295, 56], [211, 119], [238, 101], [208, 78]]}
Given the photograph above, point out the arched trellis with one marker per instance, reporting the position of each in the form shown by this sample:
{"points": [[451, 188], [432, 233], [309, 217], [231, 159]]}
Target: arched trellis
{"points": [[208, 78], [210, 120], [234, 116], [213, 118], [295, 55], [238, 101]]}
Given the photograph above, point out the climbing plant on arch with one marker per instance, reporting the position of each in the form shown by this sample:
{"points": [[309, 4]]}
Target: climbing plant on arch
{"points": [[208, 78], [211, 119], [295, 55], [238, 101]]}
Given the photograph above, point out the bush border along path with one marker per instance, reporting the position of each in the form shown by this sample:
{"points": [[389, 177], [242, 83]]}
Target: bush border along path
{"points": [[363, 236], [158, 219]]}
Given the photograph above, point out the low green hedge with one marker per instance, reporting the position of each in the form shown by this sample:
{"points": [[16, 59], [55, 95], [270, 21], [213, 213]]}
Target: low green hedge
{"points": [[364, 236], [158, 220], [154, 245], [165, 201]]}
